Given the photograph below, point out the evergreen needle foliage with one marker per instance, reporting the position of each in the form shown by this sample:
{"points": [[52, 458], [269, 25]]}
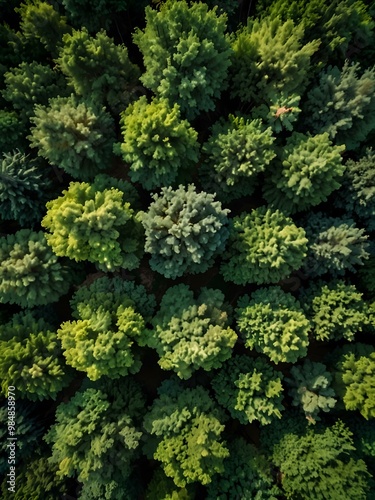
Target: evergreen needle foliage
{"points": [[272, 322], [264, 246], [186, 55], [280, 112], [158, 145], [185, 231]]}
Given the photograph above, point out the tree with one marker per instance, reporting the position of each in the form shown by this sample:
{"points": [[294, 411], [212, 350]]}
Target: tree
{"points": [[342, 104], [24, 188], [236, 152], [96, 436], [264, 246], [187, 425], [190, 333], [73, 134], [250, 389], [280, 112], [185, 231], [336, 245], [163, 487], [186, 55], [272, 322], [159, 146], [310, 387], [91, 223], [98, 69], [103, 339], [309, 170], [12, 130], [30, 273], [269, 57]]}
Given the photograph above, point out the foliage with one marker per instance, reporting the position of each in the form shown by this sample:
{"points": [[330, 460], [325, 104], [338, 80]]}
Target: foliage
{"points": [[187, 424], [101, 341], [342, 104], [98, 69], [354, 378], [367, 275], [185, 231], [236, 152], [87, 223], [309, 170], [31, 358], [30, 273], [336, 310], [280, 112], [162, 487], [159, 146], [186, 55], [310, 387], [272, 322], [321, 464], [74, 135], [24, 188], [247, 475], [11, 130], [336, 245], [96, 436], [264, 246], [269, 57], [250, 389], [190, 333]]}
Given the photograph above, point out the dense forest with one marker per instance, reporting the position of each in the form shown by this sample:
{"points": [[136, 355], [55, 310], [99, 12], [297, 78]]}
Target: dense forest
{"points": [[187, 251]]}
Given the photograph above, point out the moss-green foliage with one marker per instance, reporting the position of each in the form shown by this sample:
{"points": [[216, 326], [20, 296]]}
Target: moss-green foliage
{"points": [[336, 310], [308, 171], [269, 57], [310, 387], [98, 225], [186, 55], [188, 428], [250, 389], [364, 438], [12, 130], [185, 231], [336, 245], [236, 152], [31, 358], [191, 333], [96, 437], [272, 322], [321, 464], [247, 475], [98, 69], [30, 273], [24, 188], [158, 144], [280, 112], [354, 378], [342, 104], [74, 135], [264, 246], [162, 487], [102, 340]]}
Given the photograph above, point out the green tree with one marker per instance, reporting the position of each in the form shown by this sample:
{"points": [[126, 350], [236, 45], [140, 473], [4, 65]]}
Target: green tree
{"points": [[12, 130], [264, 246], [73, 134], [162, 487], [159, 146], [272, 322], [186, 55], [308, 171], [190, 333], [280, 112], [185, 231], [91, 223]]}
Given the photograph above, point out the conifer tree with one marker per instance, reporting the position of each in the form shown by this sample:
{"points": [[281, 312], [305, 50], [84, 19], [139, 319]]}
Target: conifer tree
{"points": [[280, 112], [12, 131]]}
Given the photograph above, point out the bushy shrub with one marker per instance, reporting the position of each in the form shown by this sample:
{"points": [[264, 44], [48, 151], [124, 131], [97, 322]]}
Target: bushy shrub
{"points": [[186, 55], [185, 231], [30, 273], [74, 135], [272, 322], [236, 152], [250, 389], [309, 170], [94, 224], [264, 246], [190, 333], [159, 146]]}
